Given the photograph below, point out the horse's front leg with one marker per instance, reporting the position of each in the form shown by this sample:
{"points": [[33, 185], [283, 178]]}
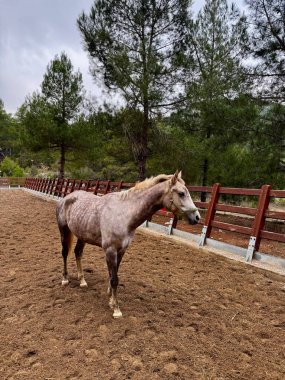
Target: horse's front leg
{"points": [[112, 263], [120, 255]]}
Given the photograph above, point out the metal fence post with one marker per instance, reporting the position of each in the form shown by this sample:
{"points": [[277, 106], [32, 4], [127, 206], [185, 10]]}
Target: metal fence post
{"points": [[207, 228], [171, 224], [259, 222]]}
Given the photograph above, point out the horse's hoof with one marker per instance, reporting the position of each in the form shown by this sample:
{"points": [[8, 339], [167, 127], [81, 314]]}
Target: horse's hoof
{"points": [[64, 282], [83, 284], [117, 313]]}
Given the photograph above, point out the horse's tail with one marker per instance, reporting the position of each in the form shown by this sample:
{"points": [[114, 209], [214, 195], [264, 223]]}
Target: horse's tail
{"points": [[61, 209], [69, 239], [66, 234]]}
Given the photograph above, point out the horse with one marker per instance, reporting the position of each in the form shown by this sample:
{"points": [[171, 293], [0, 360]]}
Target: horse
{"points": [[110, 221]]}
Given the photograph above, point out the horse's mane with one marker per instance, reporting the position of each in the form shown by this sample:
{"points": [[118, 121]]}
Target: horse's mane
{"points": [[149, 182]]}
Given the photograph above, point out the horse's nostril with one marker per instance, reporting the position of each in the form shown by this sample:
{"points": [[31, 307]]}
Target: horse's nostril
{"points": [[197, 218]]}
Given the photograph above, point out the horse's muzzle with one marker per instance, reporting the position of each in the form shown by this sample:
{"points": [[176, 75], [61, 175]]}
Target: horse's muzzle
{"points": [[193, 218]]}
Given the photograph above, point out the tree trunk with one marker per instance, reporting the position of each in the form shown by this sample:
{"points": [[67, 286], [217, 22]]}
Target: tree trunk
{"points": [[142, 167], [142, 157], [62, 161], [204, 179], [205, 166]]}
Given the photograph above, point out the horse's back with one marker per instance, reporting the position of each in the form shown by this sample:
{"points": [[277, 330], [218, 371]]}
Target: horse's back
{"points": [[79, 199], [66, 202]]}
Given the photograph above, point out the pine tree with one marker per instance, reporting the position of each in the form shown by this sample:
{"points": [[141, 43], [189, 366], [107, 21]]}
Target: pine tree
{"points": [[135, 47], [9, 134], [51, 119], [267, 20], [216, 78]]}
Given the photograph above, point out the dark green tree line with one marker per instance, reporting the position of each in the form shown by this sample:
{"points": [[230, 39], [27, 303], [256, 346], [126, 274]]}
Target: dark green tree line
{"points": [[192, 99]]}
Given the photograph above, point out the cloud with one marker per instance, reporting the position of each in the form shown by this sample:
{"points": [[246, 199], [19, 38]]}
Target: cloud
{"points": [[32, 32]]}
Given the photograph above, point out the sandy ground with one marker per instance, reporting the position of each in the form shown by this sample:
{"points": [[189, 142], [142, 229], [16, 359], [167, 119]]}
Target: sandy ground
{"points": [[187, 314]]}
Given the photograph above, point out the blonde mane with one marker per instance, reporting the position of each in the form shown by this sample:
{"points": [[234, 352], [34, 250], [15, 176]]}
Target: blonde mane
{"points": [[149, 182]]}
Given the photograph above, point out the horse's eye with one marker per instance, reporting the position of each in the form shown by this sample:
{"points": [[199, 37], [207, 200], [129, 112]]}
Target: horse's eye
{"points": [[181, 194]]}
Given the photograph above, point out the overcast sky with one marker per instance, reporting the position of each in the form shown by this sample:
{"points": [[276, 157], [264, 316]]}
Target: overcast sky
{"points": [[32, 32]]}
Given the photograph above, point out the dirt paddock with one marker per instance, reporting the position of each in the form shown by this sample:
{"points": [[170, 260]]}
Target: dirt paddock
{"points": [[187, 314]]}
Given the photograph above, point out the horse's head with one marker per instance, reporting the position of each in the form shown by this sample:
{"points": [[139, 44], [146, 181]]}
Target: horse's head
{"points": [[179, 201]]}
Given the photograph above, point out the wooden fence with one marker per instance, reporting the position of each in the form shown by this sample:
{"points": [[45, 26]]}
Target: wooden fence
{"points": [[257, 216], [12, 181]]}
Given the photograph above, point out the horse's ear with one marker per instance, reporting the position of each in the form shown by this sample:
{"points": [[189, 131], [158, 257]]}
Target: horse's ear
{"points": [[175, 177], [180, 175]]}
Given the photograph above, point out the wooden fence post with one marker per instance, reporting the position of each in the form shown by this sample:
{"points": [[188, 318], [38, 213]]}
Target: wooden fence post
{"points": [[88, 185], [207, 228], [50, 186], [80, 184], [41, 181], [96, 187], [259, 222], [120, 186], [37, 184], [107, 187], [72, 185], [45, 187], [61, 188], [66, 187]]}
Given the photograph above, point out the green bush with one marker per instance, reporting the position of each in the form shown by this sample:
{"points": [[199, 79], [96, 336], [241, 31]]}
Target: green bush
{"points": [[10, 168]]}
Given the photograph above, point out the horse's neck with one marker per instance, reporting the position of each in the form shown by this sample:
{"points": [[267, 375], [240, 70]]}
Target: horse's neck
{"points": [[147, 202]]}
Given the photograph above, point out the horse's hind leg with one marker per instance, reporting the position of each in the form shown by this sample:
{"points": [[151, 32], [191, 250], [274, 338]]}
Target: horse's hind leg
{"points": [[78, 254], [66, 241]]}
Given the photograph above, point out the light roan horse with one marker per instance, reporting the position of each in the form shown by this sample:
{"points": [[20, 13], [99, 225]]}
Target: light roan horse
{"points": [[110, 221]]}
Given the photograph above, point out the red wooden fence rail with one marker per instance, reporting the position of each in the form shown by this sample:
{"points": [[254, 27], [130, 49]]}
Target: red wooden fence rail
{"points": [[258, 215]]}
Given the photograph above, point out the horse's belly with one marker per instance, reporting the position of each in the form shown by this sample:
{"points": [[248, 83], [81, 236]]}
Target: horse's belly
{"points": [[88, 236], [90, 239], [94, 241]]}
